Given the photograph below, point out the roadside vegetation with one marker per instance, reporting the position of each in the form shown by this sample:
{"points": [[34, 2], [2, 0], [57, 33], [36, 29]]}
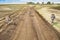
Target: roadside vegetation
{"points": [[56, 7]]}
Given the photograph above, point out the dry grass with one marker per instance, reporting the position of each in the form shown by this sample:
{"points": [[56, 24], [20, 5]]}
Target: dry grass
{"points": [[46, 13]]}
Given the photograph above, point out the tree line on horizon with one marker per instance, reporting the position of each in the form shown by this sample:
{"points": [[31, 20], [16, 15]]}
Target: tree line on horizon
{"points": [[41, 3]]}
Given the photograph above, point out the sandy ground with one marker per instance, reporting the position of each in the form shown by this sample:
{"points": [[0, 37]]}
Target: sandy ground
{"points": [[34, 27], [31, 26]]}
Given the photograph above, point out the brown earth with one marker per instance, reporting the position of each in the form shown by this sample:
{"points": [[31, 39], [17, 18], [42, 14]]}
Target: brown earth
{"points": [[31, 26]]}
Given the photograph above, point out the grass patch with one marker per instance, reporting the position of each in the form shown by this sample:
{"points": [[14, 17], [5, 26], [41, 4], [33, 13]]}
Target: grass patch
{"points": [[56, 7], [56, 24]]}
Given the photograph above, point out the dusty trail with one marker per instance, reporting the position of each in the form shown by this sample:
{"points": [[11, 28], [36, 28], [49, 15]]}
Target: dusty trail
{"points": [[32, 27], [35, 28], [27, 32]]}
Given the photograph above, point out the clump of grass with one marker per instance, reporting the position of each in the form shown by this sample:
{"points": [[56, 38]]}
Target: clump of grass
{"points": [[56, 24]]}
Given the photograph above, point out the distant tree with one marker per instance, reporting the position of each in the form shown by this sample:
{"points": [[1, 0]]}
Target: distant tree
{"points": [[48, 2], [42, 2], [30, 3], [37, 3]]}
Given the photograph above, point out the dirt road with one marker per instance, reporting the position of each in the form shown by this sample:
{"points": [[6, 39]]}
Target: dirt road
{"points": [[33, 26]]}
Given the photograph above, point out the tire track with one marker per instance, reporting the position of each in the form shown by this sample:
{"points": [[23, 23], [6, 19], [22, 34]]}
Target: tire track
{"points": [[27, 32]]}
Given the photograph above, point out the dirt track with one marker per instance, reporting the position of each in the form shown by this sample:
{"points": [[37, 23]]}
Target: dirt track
{"points": [[32, 26]]}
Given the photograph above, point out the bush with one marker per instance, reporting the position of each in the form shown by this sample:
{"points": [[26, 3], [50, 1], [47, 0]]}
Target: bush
{"points": [[30, 3], [48, 2]]}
